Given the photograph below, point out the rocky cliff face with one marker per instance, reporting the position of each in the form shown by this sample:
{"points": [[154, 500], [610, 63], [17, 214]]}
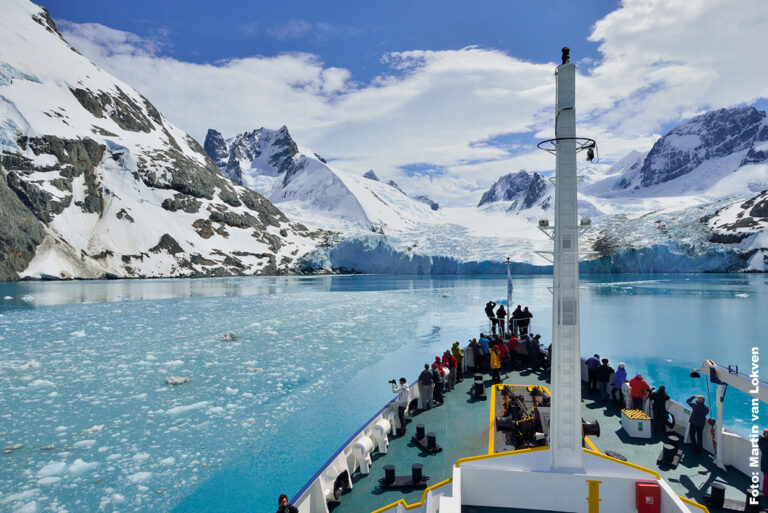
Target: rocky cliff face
{"points": [[216, 148], [712, 135], [96, 182], [520, 191]]}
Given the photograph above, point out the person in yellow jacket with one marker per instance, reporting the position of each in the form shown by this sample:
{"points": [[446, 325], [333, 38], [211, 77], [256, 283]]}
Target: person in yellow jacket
{"points": [[495, 365], [459, 355]]}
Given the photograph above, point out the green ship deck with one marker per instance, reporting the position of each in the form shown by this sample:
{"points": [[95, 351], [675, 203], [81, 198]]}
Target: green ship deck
{"points": [[462, 428]]}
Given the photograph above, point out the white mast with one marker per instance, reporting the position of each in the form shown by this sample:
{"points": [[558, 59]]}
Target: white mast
{"points": [[566, 453]]}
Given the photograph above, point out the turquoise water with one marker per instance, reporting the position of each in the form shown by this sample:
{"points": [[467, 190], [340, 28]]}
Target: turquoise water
{"points": [[84, 364]]}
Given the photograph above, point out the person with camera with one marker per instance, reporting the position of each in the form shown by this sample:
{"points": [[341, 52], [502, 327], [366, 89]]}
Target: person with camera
{"points": [[697, 421], [403, 394], [284, 507]]}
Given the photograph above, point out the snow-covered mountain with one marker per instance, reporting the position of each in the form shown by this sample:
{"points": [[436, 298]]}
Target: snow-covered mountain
{"points": [[699, 157], [95, 182], [311, 190], [524, 193]]}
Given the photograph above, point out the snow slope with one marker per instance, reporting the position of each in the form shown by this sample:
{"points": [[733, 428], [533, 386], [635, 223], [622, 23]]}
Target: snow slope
{"points": [[310, 190], [114, 188]]}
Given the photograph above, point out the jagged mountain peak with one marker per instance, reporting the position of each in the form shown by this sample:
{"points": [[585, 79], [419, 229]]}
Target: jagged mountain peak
{"points": [[272, 152], [371, 175], [713, 135], [507, 188], [216, 147], [519, 191]]}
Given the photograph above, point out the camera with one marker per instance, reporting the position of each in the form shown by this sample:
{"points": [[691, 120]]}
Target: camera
{"points": [[393, 381]]}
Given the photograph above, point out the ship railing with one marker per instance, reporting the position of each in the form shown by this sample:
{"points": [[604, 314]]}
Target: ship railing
{"points": [[518, 327], [314, 495]]}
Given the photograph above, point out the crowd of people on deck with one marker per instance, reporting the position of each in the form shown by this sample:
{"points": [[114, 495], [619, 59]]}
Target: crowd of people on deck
{"points": [[519, 319], [490, 354]]}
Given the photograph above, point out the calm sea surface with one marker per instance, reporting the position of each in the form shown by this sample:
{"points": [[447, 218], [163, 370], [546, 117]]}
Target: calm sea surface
{"points": [[83, 369]]}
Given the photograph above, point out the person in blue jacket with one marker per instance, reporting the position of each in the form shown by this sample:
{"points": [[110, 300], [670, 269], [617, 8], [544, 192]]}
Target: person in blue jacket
{"points": [[619, 378], [485, 347]]}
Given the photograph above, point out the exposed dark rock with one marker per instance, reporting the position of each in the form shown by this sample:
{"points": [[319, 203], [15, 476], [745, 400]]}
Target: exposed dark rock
{"points": [[198, 259], [216, 147], [100, 131], [536, 190], [425, 199], [728, 238], [21, 233], [603, 245], [234, 219], [103, 254], [168, 244], [123, 214], [321, 159], [229, 196], [182, 202], [392, 183], [203, 228], [40, 202], [269, 214], [371, 175], [89, 101]]}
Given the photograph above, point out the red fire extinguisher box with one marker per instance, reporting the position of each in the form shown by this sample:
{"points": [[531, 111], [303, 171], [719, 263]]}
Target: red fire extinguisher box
{"points": [[648, 497]]}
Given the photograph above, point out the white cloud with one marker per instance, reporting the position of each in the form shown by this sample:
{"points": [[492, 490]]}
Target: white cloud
{"points": [[661, 61]]}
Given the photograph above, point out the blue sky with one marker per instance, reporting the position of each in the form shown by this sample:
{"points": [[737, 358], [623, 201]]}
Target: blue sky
{"points": [[352, 34], [442, 97]]}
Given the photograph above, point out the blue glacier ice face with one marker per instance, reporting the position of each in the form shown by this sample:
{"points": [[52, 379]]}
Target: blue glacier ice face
{"points": [[8, 73]]}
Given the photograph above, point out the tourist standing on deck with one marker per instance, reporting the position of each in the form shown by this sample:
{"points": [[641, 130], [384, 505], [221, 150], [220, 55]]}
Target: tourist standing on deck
{"points": [[402, 401], [501, 317], [504, 357], [592, 365], [525, 321], [485, 346], [762, 443], [489, 306], [619, 378], [639, 389], [449, 365], [513, 344], [517, 315], [477, 354], [604, 373], [495, 365], [459, 355], [437, 380], [425, 388], [534, 351], [659, 400], [697, 421], [284, 507]]}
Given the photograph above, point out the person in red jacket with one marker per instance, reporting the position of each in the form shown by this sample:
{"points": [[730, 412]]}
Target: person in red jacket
{"points": [[450, 380], [512, 345], [639, 389], [504, 356]]}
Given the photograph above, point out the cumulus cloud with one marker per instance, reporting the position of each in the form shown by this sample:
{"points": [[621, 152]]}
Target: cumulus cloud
{"points": [[662, 61]]}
